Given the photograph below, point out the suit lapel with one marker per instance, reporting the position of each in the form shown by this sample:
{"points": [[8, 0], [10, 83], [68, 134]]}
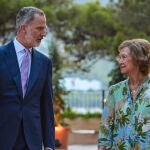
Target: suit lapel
{"points": [[34, 71], [12, 63]]}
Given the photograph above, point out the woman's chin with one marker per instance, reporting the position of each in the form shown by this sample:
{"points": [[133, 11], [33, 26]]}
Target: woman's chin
{"points": [[123, 72]]}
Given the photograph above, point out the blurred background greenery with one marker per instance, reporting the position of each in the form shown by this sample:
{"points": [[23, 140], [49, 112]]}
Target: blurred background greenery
{"points": [[89, 30], [85, 34]]}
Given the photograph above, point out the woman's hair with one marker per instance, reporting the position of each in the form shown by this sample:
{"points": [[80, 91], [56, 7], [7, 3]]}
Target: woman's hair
{"points": [[140, 53], [26, 14]]}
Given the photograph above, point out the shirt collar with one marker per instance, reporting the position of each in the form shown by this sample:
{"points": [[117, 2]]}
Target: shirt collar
{"points": [[19, 47]]}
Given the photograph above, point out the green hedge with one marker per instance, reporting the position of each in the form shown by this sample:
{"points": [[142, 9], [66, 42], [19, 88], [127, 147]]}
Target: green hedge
{"points": [[68, 113]]}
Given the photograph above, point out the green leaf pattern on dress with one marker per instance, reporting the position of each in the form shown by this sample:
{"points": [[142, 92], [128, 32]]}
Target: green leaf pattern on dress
{"points": [[127, 124]]}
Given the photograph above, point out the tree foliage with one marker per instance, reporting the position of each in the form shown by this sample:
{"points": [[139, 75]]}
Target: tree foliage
{"points": [[58, 90], [89, 31], [8, 11], [85, 29]]}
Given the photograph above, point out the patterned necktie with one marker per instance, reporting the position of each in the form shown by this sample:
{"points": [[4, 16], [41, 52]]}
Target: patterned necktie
{"points": [[24, 68]]}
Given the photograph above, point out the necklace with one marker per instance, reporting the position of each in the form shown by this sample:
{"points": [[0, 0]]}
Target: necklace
{"points": [[134, 89]]}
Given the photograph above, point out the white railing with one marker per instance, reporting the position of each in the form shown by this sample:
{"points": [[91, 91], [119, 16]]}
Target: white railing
{"points": [[83, 102]]}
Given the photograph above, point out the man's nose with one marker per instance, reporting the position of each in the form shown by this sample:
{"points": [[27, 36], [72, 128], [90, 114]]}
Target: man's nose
{"points": [[43, 34]]}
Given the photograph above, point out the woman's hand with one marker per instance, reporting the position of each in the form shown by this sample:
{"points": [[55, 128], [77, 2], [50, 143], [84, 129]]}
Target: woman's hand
{"points": [[102, 148]]}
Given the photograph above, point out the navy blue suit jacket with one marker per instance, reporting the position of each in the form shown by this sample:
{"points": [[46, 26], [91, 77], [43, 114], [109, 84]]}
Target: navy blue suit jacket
{"points": [[35, 109]]}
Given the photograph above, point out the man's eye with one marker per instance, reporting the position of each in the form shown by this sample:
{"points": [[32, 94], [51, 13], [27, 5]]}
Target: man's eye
{"points": [[39, 28]]}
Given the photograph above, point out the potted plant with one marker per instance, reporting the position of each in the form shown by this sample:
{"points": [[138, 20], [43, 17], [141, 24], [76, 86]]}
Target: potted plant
{"points": [[61, 129]]}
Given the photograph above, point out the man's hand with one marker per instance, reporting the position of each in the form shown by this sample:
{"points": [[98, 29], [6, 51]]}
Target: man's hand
{"points": [[47, 148]]}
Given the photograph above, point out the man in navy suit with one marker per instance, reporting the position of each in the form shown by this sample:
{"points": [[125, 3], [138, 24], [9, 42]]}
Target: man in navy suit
{"points": [[26, 119]]}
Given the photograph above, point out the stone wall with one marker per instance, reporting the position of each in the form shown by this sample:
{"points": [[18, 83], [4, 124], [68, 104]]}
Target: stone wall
{"points": [[83, 131]]}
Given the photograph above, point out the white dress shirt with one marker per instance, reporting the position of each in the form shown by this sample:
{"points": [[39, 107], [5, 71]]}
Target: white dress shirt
{"points": [[19, 48]]}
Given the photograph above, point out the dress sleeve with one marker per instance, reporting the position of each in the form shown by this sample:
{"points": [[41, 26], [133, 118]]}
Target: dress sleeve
{"points": [[106, 121]]}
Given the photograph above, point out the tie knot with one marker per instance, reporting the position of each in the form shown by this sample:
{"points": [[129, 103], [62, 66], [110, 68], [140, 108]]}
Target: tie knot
{"points": [[26, 51]]}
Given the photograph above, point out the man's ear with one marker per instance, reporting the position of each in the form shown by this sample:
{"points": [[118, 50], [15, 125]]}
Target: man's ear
{"points": [[23, 28]]}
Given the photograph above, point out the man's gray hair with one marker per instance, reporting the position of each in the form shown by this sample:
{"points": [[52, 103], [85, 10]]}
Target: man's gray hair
{"points": [[26, 14]]}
